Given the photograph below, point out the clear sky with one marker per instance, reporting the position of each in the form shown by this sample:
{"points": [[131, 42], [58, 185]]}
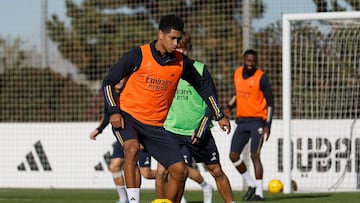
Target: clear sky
{"points": [[22, 18]]}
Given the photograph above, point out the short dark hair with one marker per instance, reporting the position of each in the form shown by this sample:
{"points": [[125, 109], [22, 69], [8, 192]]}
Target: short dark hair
{"points": [[250, 52], [171, 21]]}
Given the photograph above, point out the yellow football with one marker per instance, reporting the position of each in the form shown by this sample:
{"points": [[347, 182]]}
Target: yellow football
{"points": [[161, 201], [275, 186]]}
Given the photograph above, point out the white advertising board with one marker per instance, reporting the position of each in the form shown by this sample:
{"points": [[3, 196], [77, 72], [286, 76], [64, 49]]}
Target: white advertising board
{"points": [[61, 155]]}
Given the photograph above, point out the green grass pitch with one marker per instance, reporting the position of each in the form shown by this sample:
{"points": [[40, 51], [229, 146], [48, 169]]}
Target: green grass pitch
{"points": [[110, 196]]}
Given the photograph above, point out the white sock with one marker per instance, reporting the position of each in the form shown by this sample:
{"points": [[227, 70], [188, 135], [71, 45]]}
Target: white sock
{"points": [[183, 200], [250, 181], [259, 187], [204, 185], [121, 190], [133, 195], [208, 189]]}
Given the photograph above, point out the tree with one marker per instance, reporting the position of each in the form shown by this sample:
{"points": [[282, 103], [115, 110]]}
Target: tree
{"points": [[36, 94], [102, 30], [100, 33], [31, 94], [322, 5], [11, 54]]}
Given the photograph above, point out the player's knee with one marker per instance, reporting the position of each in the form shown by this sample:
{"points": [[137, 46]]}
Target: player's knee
{"points": [[115, 165], [215, 170], [131, 151], [114, 168], [234, 157], [146, 172], [178, 171], [255, 157], [161, 173]]}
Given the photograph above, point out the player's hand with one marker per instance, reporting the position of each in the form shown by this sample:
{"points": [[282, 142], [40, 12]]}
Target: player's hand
{"points": [[266, 133], [227, 112], [117, 121], [194, 139], [93, 134], [224, 124]]}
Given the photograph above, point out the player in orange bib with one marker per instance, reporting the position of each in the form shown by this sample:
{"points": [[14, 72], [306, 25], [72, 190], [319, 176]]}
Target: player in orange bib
{"points": [[153, 72], [189, 120], [254, 111]]}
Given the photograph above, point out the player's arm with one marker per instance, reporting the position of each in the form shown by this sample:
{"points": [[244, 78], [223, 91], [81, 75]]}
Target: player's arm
{"points": [[122, 69], [205, 122], [104, 121], [265, 87], [191, 75], [230, 105]]}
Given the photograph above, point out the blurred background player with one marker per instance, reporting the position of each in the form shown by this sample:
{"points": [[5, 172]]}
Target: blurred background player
{"points": [[116, 163], [117, 159], [195, 175], [145, 164], [254, 111], [189, 121]]}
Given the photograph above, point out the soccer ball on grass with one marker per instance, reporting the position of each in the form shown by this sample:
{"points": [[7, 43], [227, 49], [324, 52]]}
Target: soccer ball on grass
{"points": [[161, 201], [275, 186]]}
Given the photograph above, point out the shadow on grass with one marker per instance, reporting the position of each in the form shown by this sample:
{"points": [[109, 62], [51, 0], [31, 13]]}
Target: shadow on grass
{"points": [[298, 196], [285, 198]]}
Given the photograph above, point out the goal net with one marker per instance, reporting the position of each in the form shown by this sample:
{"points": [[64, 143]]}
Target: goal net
{"points": [[321, 108]]}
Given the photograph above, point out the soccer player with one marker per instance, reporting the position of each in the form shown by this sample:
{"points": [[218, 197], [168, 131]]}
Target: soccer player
{"points": [[189, 121], [154, 70], [145, 164], [193, 174], [254, 111], [117, 159], [117, 162]]}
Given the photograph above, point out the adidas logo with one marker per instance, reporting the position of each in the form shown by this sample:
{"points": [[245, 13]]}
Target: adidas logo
{"points": [[33, 160], [107, 158]]}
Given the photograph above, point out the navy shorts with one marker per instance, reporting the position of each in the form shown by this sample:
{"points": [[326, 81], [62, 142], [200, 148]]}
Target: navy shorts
{"points": [[187, 156], [246, 129], [117, 150], [206, 151], [144, 158], [156, 140]]}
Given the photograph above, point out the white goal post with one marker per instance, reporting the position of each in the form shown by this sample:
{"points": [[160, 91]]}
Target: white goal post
{"points": [[287, 19]]}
